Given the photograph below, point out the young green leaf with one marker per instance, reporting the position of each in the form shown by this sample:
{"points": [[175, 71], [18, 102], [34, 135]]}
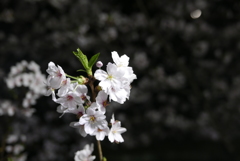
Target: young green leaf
{"points": [[93, 60], [83, 58]]}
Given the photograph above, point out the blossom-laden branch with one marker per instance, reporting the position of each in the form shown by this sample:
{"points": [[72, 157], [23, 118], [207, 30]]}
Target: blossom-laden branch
{"points": [[72, 97]]}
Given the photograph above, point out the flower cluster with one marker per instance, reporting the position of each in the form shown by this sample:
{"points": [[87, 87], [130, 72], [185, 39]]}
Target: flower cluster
{"points": [[116, 81], [72, 95], [10, 109], [15, 147], [7, 108], [27, 75]]}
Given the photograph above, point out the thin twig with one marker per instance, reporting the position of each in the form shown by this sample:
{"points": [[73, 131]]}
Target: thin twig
{"points": [[100, 150]]}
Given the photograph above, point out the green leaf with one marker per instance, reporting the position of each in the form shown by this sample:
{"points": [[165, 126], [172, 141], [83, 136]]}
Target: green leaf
{"points": [[83, 58], [93, 60]]}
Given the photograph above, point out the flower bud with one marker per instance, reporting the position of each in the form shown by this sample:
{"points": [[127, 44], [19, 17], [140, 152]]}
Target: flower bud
{"points": [[99, 64], [98, 88], [82, 80]]}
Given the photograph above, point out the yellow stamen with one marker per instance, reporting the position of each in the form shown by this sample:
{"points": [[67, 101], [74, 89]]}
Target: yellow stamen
{"points": [[92, 118]]}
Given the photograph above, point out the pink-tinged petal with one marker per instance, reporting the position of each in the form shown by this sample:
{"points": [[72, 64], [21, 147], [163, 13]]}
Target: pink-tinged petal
{"points": [[61, 72]]}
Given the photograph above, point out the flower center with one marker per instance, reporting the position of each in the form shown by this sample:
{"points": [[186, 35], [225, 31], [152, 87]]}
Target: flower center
{"points": [[79, 114], [59, 74], [83, 97], [64, 82], [92, 118], [69, 97], [110, 77], [104, 103]]}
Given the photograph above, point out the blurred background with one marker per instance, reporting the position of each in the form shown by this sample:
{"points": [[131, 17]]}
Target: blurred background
{"points": [[184, 106]]}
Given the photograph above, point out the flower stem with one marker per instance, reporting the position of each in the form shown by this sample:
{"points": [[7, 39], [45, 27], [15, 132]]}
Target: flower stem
{"points": [[91, 81], [71, 76], [99, 150]]}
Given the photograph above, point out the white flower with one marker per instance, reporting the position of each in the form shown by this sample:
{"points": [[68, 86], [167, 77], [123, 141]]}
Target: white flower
{"points": [[33, 66], [101, 133], [111, 83], [79, 111], [13, 71], [64, 87], [36, 83], [85, 154], [50, 91], [116, 131], [17, 149], [117, 94], [101, 101], [10, 82], [122, 64], [6, 107], [30, 99], [12, 138], [26, 79], [18, 81], [56, 75], [82, 92], [93, 120], [122, 61], [70, 100], [129, 76], [110, 78]]}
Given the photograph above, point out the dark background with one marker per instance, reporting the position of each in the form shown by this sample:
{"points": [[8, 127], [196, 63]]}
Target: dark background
{"points": [[184, 106]]}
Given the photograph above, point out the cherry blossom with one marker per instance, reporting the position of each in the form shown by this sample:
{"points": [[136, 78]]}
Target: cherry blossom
{"points": [[56, 75], [85, 154], [93, 120], [113, 85], [116, 131], [101, 101]]}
